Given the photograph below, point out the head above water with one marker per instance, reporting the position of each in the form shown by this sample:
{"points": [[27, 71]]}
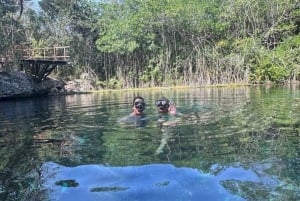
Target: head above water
{"points": [[139, 104], [163, 104]]}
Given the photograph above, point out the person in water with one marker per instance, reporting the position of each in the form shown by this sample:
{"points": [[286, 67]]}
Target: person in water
{"points": [[167, 121], [137, 116], [165, 106], [138, 106]]}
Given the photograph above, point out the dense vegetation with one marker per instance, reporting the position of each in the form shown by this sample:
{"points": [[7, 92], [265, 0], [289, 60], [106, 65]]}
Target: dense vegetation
{"points": [[139, 43]]}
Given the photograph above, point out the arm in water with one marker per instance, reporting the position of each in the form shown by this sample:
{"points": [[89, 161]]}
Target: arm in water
{"points": [[166, 134], [167, 121]]}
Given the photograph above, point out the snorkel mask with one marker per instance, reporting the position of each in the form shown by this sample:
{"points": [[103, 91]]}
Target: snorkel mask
{"points": [[139, 105], [163, 104]]}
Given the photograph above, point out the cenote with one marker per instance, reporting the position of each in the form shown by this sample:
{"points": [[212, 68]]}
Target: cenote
{"points": [[237, 143]]}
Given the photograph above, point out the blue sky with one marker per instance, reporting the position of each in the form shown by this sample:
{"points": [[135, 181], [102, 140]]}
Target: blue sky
{"points": [[33, 4]]}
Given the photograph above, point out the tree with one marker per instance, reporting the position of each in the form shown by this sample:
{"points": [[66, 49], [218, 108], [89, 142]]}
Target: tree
{"points": [[135, 43], [72, 23]]}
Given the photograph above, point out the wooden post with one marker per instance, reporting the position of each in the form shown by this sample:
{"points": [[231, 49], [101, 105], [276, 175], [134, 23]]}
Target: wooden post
{"points": [[64, 54], [54, 53], [2, 62]]}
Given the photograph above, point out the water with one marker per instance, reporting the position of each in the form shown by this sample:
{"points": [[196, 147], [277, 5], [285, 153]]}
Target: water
{"points": [[228, 144]]}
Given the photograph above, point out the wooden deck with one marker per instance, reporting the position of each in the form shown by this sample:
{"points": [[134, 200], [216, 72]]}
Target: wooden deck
{"points": [[46, 54], [42, 61]]}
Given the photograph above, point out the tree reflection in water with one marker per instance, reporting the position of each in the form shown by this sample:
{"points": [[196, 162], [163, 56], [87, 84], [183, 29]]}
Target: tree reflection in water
{"points": [[241, 142]]}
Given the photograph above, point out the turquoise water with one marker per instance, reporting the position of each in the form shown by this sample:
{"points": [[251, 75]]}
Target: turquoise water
{"points": [[227, 144]]}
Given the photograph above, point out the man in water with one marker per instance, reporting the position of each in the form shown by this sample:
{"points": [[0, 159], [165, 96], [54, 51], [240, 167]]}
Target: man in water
{"points": [[137, 116], [138, 106], [165, 106], [167, 121]]}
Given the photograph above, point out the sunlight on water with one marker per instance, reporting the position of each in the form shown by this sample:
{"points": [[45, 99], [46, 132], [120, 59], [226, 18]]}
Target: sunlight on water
{"points": [[227, 144]]}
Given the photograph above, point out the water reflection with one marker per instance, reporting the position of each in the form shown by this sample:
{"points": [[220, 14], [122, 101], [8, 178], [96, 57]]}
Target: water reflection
{"points": [[160, 182], [134, 121], [147, 182], [239, 143]]}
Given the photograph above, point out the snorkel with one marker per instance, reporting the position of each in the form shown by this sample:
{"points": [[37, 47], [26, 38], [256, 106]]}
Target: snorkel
{"points": [[139, 104], [163, 105]]}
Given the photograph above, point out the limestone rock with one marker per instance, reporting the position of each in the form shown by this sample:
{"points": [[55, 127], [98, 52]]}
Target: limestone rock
{"points": [[19, 84]]}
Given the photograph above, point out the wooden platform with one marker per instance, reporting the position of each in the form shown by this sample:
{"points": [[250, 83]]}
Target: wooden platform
{"points": [[42, 61]]}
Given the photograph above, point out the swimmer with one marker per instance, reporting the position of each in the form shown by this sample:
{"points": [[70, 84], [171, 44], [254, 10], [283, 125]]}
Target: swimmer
{"points": [[137, 116], [168, 119], [165, 106], [138, 106]]}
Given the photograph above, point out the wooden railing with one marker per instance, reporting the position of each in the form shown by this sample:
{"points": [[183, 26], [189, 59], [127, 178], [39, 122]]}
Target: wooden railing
{"points": [[48, 53]]}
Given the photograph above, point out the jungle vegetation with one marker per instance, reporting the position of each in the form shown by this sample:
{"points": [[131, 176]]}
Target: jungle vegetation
{"points": [[145, 43]]}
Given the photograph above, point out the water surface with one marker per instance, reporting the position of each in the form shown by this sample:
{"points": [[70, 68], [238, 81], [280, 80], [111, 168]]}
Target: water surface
{"points": [[228, 144]]}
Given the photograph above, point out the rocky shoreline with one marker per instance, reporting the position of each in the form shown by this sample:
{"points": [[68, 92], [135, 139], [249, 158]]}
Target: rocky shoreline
{"points": [[18, 84]]}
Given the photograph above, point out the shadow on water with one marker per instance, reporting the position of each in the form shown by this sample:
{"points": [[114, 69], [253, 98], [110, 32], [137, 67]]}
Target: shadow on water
{"points": [[229, 144]]}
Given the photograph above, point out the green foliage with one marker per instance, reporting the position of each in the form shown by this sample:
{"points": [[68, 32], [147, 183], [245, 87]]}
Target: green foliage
{"points": [[115, 83], [8, 25], [157, 41], [279, 64], [169, 33], [152, 73]]}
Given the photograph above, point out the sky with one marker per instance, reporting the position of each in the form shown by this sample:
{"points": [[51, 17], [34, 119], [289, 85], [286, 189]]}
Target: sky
{"points": [[33, 4]]}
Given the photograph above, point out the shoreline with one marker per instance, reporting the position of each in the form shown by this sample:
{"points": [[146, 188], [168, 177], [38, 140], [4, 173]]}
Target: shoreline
{"points": [[181, 87], [194, 87]]}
